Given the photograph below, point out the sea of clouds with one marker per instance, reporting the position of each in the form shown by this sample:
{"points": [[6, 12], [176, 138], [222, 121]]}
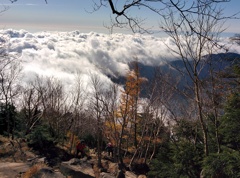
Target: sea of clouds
{"points": [[64, 54]]}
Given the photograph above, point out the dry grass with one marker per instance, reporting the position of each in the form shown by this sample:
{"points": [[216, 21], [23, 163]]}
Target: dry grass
{"points": [[34, 170], [6, 149], [13, 150], [3, 150], [96, 171], [3, 139]]}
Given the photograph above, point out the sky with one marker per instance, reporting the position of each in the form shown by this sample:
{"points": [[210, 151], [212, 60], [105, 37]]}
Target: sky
{"points": [[57, 15], [70, 15]]}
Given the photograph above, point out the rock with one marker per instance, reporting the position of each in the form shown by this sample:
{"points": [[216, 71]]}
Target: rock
{"points": [[41, 160], [58, 174], [37, 160], [105, 164], [75, 171], [8, 169], [74, 161], [129, 174], [84, 159], [106, 175], [48, 173], [113, 168], [31, 159]]}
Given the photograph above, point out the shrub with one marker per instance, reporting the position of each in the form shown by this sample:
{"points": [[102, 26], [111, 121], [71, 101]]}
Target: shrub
{"points": [[225, 164], [40, 138]]}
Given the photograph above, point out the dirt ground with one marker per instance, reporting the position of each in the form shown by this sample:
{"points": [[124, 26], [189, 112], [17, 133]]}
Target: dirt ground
{"points": [[12, 170], [16, 158], [13, 158]]}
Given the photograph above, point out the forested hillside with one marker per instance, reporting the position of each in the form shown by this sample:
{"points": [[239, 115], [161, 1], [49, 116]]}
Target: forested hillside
{"points": [[151, 121]]}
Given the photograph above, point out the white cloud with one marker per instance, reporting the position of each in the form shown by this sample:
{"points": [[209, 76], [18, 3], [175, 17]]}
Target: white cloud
{"points": [[63, 54]]}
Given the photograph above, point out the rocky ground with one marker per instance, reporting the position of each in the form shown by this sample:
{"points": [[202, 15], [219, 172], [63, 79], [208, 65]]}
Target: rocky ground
{"points": [[17, 160]]}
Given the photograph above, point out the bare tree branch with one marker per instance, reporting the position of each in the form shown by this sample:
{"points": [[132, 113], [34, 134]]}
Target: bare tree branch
{"points": [[160, 7]]}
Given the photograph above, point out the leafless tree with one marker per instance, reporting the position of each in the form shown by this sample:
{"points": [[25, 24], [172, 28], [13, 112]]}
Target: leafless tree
{"points": [[31, 105], [111, 130], [80, 123], [97, 110], [3, 8], [236, 38], [126, 13], [193, 38], [10, 70], [54, 104]]}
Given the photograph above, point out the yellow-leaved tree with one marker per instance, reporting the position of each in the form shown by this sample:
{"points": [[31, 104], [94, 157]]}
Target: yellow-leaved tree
{"points": [[129, 105]]}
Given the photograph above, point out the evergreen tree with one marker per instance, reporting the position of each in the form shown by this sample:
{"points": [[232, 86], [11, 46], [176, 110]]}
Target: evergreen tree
{"points": [[7, 126], [229, 123], [227, 162], [224, 164], [230, 127], [181, 155]]}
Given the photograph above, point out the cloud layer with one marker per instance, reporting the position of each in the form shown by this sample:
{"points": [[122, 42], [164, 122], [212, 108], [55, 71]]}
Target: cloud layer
{"points": [[63, 54]]}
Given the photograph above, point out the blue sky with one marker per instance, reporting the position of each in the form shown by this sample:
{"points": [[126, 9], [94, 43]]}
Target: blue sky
{"points": [[57, 15], [70, 15]]}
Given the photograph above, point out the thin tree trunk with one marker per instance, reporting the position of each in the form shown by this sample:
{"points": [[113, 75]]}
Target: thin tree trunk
{"points": [[200, 115]]}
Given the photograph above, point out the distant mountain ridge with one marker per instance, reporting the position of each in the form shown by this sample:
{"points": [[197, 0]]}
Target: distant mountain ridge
{"points": [[218, 62]]}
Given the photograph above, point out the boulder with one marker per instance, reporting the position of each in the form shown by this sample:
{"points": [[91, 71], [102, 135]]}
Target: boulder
{"points": [[106, 175], [8, 169], [42, 160], [74, 161], [37, 160], [84, 170], [48, 173], [129, 174]]}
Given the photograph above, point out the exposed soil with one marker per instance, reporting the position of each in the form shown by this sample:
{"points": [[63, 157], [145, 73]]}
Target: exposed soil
{"points": [[16, 157]]}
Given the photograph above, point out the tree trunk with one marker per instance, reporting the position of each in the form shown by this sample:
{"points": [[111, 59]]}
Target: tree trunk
{"points": [[200, 114]]}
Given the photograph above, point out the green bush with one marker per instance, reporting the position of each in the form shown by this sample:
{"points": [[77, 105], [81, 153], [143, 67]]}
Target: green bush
{"points": [[224, 164], [179, 159], [230, 127], [40, 137]]}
